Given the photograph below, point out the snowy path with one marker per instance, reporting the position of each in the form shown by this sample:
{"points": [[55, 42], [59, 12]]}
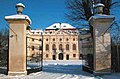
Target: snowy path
{"points": [[62, 70]]}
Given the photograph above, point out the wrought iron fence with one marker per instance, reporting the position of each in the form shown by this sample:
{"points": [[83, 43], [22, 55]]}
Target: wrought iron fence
{"points": [[34, 54], [87, 51], [115, 58], [4, 56]]}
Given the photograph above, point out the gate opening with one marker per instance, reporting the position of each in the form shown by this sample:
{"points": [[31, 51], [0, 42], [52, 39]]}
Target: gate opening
{"points": [[34, 54], [4, 56]]}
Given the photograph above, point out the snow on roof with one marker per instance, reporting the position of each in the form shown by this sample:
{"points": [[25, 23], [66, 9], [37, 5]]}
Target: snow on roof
{"points": [[36, 30], [20, 4], [102, 16], [18, 17], [60, 26]]}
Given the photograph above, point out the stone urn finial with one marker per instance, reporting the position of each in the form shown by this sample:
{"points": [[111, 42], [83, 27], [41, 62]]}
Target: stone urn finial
{"points": [[20, 8], [99, 8]]}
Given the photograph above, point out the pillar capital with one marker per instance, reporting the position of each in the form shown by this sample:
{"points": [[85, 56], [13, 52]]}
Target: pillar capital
{"points": [[101, 18], [17, 18]]}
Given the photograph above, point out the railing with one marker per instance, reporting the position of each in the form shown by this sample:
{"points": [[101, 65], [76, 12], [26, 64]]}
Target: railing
{"points": [[87, 51], [115, 58], [34, 54], [4, 56]]}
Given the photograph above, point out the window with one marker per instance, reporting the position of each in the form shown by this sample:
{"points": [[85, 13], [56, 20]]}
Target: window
{"points": [[74, 46], [60, 39], [74, 55], [32, 47], [40, 48], [40, 39], [67, 46], [47, 39], [54, 57], [60, 47], [73, 39], [47, 47], [67, 39], [67, 57], [46, 55], [53, 39], [53, 47], [32, 39]]}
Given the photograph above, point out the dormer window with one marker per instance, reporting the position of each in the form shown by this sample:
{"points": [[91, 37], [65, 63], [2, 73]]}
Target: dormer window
{"points": [[54, 26], [38, 32], [50, 32]]}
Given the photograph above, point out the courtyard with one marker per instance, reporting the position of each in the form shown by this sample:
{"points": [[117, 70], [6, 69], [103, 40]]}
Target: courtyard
{"points": [[23, 52], [62, 70]]}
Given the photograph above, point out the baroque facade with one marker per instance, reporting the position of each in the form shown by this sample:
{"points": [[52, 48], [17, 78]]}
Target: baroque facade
{"points": [[60, 42]]}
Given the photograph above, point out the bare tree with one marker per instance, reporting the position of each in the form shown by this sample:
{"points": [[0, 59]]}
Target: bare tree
{"points": [[4, 33], [79, 11]]}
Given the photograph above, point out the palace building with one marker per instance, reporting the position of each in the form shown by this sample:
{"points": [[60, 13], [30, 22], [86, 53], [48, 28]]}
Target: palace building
{"points": [[59, 42]]}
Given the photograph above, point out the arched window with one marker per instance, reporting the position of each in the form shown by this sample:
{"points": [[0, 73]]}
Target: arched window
{"points": [[47, 47], [47, 39], [73, 39], [32, 39], [53, 39], [67, 46], [53, 47], [67, 39], [60, 47], [60, 39], [32, 47], [74, 46]]}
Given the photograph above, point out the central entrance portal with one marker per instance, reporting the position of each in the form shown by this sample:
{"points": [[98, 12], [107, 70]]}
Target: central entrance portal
{"points": [[61, 56]]}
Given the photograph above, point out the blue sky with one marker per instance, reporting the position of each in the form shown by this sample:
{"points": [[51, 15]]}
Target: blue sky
{"points": [[42, 12]]}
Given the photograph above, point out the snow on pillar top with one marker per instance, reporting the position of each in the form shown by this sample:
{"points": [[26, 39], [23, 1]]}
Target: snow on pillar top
{"points": [[19, 15], [20, 8], [20, 4], [99, 8]]}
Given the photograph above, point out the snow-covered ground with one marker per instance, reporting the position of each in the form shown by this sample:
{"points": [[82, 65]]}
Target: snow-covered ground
{"points": [[62, 70]]}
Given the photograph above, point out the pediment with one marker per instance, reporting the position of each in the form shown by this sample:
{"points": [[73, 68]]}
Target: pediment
{"points": [[64, 32]]}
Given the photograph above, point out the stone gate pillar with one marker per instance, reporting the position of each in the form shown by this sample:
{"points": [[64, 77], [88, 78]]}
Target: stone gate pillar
{"points": [[17, 41], [102, 42]]}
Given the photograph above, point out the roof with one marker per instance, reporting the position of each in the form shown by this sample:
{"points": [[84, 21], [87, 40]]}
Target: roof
{"points": [[60, 26]]}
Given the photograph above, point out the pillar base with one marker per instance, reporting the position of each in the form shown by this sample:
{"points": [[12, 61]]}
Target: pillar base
{"points": [[10, 73], [101, 73]]}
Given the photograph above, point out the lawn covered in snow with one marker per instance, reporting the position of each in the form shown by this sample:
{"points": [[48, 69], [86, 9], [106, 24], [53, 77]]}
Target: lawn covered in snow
{"points": [[62, 70]]}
